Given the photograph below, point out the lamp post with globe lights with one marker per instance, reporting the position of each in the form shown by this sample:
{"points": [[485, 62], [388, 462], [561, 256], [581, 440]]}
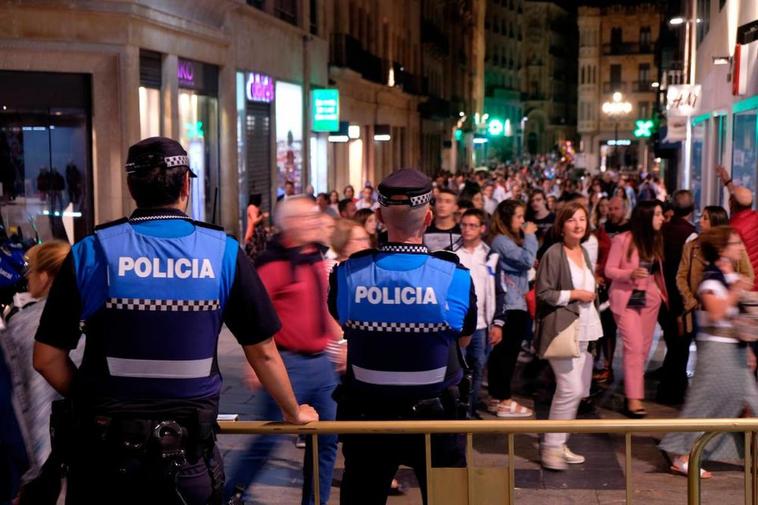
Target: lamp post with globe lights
{"points": [[616, 109]]}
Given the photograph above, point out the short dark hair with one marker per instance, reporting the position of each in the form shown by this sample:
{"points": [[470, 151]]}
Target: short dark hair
{"points": [[477, 213], [448, 191], [713, 242], [342, 205], [156, 187], [566, 213], [289, 183], [683, 202]]}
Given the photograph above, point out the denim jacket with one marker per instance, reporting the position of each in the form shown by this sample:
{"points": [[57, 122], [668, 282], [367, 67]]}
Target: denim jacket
{"points": [[515, 263]]}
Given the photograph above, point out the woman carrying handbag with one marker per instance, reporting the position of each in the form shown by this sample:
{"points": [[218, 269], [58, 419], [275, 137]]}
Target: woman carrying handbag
{"points": [[568, 324]]}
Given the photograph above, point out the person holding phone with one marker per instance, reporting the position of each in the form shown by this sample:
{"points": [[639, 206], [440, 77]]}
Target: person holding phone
{"points": [[635, 269], [515, 243]]}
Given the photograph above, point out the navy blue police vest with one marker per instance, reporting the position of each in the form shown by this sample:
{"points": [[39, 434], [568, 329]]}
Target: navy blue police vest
{"points": [[162, 313], [398, 335]]}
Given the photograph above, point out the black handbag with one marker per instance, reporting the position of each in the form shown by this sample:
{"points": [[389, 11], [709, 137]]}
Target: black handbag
{"points": [[638, 300]]}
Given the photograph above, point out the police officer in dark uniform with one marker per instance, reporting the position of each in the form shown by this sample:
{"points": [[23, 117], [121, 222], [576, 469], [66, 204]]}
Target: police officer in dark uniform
{"points": [[404, 312], [152, 292]]}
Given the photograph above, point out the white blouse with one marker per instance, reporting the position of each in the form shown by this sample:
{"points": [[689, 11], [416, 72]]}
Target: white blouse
{"points": [[590, 327]]}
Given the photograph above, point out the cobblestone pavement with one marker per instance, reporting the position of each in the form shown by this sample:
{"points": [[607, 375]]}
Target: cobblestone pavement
{"points": [[600, 481]]}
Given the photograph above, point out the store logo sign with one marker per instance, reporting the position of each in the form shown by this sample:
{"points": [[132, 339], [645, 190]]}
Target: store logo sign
{"points": [[326, 110], [259, 88], [186, 73], [683, 99]]}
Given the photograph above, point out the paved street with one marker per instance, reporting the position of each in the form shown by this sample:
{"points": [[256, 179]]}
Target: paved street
{"points": [[599, 481]]}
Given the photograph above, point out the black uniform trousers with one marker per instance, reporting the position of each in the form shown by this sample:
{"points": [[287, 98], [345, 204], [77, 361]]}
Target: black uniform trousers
{"points": [[96, 476], [371, 461]]}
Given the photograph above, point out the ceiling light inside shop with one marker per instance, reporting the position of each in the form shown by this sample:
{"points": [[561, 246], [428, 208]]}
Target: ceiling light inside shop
{"points": [[354, 131], [721, 60]]}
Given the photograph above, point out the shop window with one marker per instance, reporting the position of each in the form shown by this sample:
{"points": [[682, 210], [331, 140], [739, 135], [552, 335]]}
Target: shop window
{"points": [[696, 172], [198, 134], [744, 148], [45, 155], [150, 72], [286, 10], [289, 135]]}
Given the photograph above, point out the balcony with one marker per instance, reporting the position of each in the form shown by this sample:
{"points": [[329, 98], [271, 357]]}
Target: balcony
{"points": [[437, 108], [431, 34], [627, 48], [346, 51], [643, 86], [612, 87]]}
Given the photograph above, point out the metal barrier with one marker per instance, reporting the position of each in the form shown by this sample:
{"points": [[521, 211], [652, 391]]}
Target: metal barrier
{"points": [[475, 486]]}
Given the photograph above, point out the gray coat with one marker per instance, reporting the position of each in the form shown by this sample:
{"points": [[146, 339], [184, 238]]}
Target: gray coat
{"points": [[554, 276]]}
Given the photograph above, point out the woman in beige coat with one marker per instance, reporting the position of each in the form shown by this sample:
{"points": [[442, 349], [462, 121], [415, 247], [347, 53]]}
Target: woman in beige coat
{"points": [[690, 272]]}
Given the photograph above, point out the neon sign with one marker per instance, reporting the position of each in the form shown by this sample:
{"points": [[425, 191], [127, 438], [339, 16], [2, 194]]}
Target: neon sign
{"points": [[186, 72], [259, 88]]}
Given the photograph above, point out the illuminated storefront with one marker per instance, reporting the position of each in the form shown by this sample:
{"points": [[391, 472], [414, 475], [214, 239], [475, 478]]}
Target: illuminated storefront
{"points": [[45, 154], [198, 133]]}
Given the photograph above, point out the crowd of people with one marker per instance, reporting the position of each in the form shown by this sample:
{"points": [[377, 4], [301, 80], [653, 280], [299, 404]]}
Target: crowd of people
{"points": [[565, 266]]}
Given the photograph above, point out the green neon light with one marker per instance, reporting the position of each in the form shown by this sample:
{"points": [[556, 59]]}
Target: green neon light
{"points": [[644, 128], [699, 119], [747, 104], [495, 127], [195, 130]]}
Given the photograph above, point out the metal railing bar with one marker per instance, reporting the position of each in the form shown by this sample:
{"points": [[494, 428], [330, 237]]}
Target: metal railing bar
{"points": [[511, 468], [470, 464], [748, 468], [510, 427], [314, 462], [628, 466], [428, 460], [693, 475]]}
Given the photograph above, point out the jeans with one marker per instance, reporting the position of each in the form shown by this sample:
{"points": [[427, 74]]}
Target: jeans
{"points": [[313, 380], [476, 355]]}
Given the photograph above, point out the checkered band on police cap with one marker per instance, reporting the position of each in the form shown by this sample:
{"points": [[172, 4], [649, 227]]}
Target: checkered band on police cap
{"points": [[406, 182], [156, 152]]}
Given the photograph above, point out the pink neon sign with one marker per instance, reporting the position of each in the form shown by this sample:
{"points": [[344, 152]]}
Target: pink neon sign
{"points": [[259, 88]]}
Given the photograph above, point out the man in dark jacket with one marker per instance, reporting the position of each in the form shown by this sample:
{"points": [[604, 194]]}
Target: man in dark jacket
{"points": [[673, 374]]}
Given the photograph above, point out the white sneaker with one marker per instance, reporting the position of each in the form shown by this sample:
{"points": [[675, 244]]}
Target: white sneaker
{"points": [[572, 458], [553, 458]]}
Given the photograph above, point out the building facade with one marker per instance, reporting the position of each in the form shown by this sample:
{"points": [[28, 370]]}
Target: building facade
{"points": [[724, 124], [503, 75], [550, 85], [82, 81], [617, 48]]}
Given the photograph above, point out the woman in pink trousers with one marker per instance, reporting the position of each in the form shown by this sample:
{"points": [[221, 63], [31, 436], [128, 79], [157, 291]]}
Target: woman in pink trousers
{"points": [[635, 269]]}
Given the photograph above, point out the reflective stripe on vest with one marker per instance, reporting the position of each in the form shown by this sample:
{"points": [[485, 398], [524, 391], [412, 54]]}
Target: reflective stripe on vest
{"points": [[163, 313], [396, 325]]}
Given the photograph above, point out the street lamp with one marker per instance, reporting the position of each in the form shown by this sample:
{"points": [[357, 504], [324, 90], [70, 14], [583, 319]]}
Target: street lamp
{"points": [[616, 109]]}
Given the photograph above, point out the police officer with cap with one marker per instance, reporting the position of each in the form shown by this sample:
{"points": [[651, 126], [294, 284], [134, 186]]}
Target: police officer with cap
{"points": [[404, 312], [152, 292]]}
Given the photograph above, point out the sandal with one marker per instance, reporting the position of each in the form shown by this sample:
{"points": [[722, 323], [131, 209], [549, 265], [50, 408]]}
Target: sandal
{"points": [[492, 405], [513, 409], [681, 467]]}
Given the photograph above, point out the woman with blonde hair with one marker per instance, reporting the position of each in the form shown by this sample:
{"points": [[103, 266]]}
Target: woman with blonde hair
{"points": [[33, 395]]}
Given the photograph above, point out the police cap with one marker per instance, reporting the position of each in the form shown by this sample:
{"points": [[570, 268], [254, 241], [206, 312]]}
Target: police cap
{"points": [[406, 182], [160, 152]]}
